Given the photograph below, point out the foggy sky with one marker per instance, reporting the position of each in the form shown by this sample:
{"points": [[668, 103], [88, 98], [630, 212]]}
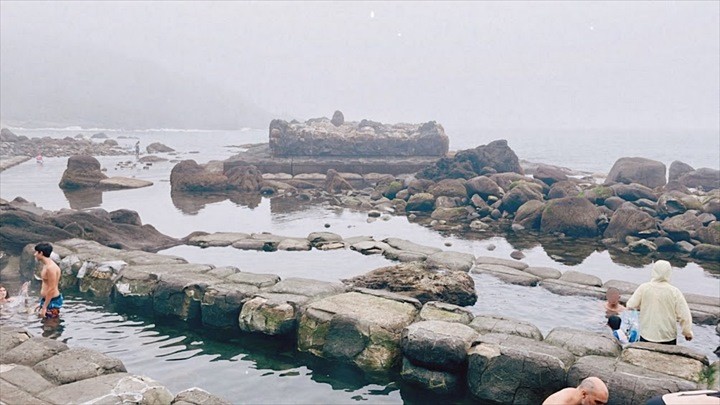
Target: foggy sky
{"points": [[467, 65]]}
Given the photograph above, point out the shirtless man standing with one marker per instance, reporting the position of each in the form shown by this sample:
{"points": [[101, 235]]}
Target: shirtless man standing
{"points": [[591, 391], [50, 298]]}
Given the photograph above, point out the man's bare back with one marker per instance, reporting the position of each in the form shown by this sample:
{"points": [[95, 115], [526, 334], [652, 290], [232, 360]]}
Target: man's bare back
{"points": [[50, 298]]}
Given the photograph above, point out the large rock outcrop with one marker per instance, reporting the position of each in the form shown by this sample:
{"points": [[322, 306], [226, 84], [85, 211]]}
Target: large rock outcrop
{"points": [[189, 176], [648, 172], [82, 171], [323, 137], [629, 221], [493, 157], [704, 178]]}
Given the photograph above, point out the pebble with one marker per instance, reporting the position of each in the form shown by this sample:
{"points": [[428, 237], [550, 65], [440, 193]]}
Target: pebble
{"points": [[448, 244], [517, 255], [490, 247], [327, 225], [374, 214]]}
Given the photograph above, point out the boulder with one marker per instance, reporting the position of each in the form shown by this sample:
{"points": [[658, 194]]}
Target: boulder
{"points": [[484, 187], [82, 171], [572, 216], [334, 183], [437, 345], [420, 281], [157, 147], [453, 261], [77, 364], [707, 252], [217, 239], [643, 246], [550, 174], [356, 327], [577, 277], [584, 343], [180, 294], [669, 205], [470, 163], [20, 377], [485, 324], [647, 172], [710, 234], [681, 227], [188, 176], [20, 228], [123, 183], [125, 216], [625, 287], [421, 202], [627, 221], [521, 193], [677, 169], [370, 247], [407, 246], [338, 118], [704, 178], [245, 179], [562, 189], [448, 188], [439, 382], [529, 214], [561, 287], [449, 214], [11, 337], [613, 203], [515, 370], [441, 311], [633, 192], [627, 383]]}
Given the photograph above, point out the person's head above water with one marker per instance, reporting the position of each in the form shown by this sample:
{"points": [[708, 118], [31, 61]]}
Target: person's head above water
{"points": [[614, 322], [593, 391], [4, 293], [661, 271], [613, 296], [44, 248]]}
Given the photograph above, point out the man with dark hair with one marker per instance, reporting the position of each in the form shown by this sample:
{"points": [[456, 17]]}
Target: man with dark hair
{"points": [[591, 391], [50, 298]]}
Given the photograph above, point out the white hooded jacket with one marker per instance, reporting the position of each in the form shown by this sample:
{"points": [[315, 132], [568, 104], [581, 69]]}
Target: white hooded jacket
{"points": [[661, 306]]}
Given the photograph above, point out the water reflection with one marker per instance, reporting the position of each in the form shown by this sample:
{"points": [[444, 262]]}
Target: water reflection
{"points": [[84, 198], [193, 203]]}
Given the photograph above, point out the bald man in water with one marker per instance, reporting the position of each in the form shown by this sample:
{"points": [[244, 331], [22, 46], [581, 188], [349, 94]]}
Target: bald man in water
{"points": [[591, 391]]}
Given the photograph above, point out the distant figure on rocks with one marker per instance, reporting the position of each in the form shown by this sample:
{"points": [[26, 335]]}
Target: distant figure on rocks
{"points": [[137, 148], [661, 305], [51, 299], [591, 391], [39, 158]]}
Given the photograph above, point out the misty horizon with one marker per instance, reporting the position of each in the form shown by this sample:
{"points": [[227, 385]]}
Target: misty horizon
{"points": [[472, 66]]}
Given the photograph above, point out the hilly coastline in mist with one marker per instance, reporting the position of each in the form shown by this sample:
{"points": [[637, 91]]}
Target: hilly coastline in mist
{"points": [[61, 88]]}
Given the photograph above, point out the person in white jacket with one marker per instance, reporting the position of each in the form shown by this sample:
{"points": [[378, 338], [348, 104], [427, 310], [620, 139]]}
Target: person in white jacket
{"points": [[661, 306]]}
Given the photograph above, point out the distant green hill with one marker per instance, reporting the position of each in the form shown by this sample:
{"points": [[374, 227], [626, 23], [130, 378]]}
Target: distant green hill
{"points": [[93, 88]]}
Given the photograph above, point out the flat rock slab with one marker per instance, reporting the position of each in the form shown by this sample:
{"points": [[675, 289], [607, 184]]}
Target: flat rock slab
{"points": [[441, 311], [221, 304], [484, 324], [306, 287], [11, 337], [515, 264], [217, 239], [678, 361], [356, 327], [33, 351], [254, 279], [512, 369], [584, 343], [627, 383], [577, 277], [294, 245], [406, 245], [119, 183], [84, 391], [272, 314], [453, 261], [77, 364], [25, 378], [507, 274], [702, 300], [544, 272], [562, 287], [370, 247], [14, 395], [437, 345]]}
